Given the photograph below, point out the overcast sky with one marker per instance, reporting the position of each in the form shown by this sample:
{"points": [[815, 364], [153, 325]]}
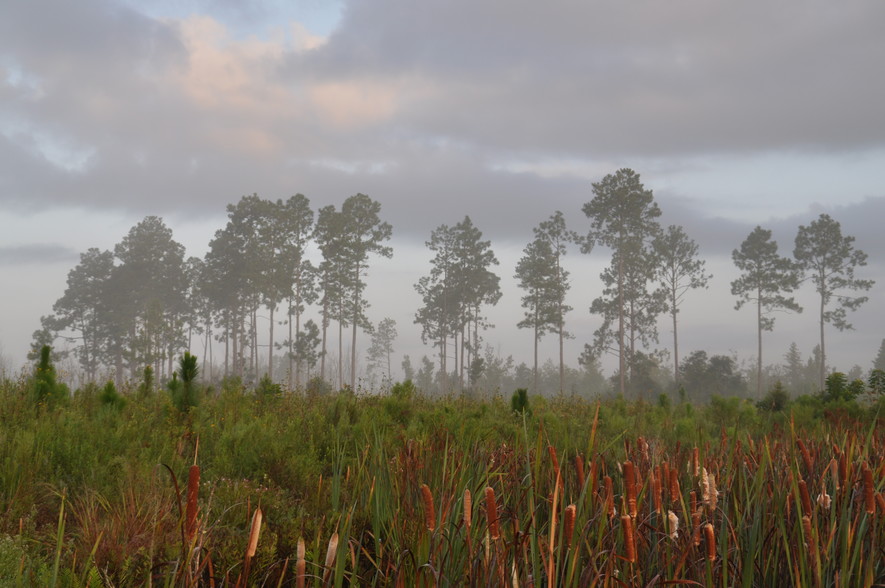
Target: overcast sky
{"points": [[735, 114]]}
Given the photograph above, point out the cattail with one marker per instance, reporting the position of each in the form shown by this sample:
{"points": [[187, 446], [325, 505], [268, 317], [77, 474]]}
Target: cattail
{"points": [[594, 476], [711, 494], [568, 526], [673, 524], [806, 457], [492, 513], [190, 517], [880, 500], [868, 494], [331, 552], [806, 498], [696, 461], [300, 565], [675, 491], [468, 508], [806, 527], [696, 526], [253, 534], [711, 542], [429, 512], [609, 496], [693, 502], [579, 470], [630, 483], [629, 537], [824, 500]]}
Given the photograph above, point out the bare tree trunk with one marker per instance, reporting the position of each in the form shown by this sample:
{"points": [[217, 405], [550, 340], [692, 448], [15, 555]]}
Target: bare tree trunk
{"points": [[289, 374], [759, 343], [823, 352], [270, 345], [622, 363], [356, 310], [535, 370]]}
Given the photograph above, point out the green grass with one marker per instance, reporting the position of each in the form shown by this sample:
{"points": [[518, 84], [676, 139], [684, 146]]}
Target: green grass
{"points": [[91, 492]]}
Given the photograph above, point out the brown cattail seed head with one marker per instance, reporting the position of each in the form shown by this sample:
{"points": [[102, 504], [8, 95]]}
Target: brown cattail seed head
{"points": [[300, 564], [696, 525], [630, 484], [429, 512], [710, 537], [579, 470], [805, 497], [492, 513], [568, 527], [629, 537], [675, 491], [468, 508], [868, 494], [193, 487], [253, 533]]}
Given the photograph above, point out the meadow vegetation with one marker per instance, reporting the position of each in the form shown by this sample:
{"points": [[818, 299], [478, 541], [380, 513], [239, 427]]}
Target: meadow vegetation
{"points": [[195, 486]]}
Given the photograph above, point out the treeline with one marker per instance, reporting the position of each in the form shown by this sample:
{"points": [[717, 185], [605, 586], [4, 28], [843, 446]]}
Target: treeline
{"points": [[143, 303]]}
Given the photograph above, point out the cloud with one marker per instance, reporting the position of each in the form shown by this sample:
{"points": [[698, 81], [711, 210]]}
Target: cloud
{"points": [[39, 253]]}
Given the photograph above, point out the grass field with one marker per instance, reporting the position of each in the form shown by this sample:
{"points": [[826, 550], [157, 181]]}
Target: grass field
{"points": [[263, 489]]}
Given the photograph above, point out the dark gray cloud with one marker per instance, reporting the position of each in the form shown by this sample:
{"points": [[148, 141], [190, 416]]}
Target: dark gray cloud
{"points": [[38, 253]]}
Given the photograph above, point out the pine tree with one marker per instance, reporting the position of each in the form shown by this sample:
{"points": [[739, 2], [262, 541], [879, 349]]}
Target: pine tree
{"points": [[623, 217], [765, 278], [830, 260]]}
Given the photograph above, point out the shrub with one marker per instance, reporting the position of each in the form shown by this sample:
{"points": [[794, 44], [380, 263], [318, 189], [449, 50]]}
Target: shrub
{"points": [[776, 400], [46, 388], [519, 402]]}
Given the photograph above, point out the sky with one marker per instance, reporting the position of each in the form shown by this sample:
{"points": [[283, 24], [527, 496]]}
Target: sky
{"points": [[734, 114]]}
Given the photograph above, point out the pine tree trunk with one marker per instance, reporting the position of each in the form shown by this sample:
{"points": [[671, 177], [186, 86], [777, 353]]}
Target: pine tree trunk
{"points": [[823, 352], [270, 345], [759, 337]]}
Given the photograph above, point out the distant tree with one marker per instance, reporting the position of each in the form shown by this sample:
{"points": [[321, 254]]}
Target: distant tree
{"points": [[794, 369], [541, 275], [83, 312], [439, 294], [477, 286], [765, 278], [623, 218], [381, 348], [364, 234], [302, 290], [460, 283], [876, 382], [334, 282], [408, 370], [307, 347], [830, 260], [152, 285], [424, 377], [536, 275], [679, 270], [879, 362], [704, 376]]}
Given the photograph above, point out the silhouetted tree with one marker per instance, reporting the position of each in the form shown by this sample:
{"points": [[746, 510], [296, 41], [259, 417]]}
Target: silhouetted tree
{"points": [[765, 278], [679, 270], [623, 218], [830, 260]]}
